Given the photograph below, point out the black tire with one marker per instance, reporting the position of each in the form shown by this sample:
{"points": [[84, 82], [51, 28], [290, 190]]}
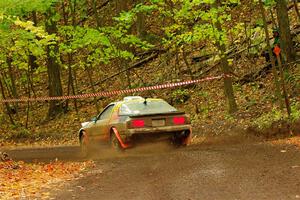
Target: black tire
{"points": [[84, 147], [178, 142], [114, 143]]}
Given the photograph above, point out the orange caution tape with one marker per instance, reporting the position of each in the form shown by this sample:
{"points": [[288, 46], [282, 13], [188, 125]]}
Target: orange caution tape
{"points": [[111, 93]]}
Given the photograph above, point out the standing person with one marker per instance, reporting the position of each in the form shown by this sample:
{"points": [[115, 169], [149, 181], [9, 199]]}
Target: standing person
{"points": [[276, 42]]}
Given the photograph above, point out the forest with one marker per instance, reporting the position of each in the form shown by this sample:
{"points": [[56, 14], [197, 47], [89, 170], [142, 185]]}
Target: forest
{"points": [[232, 66], [61, 48]]}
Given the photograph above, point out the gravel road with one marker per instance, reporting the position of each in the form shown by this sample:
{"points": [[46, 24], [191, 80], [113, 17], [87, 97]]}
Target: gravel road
{"points": [[233, 171]]}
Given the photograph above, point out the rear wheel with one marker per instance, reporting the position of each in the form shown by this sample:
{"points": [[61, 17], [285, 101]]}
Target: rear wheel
{"points": [[181, 139], [177, 141]]}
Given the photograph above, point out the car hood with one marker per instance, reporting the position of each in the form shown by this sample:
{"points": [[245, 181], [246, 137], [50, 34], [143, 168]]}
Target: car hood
{"points": [[84, 124]]}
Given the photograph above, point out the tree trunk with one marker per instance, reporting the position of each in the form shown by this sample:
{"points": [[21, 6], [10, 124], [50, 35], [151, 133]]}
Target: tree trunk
{"points": [[12, 80], [189, 68], [276, 82], [177, 65], [74, 7], [32, 59], [98, 22], [285, 93], [126, 66], [71, 81], [70, 55], [286, 42], [75, 82], [90, 76], [31, 84], [6, 104], [8, 87], [29, 95], [140, 23], [53, 70], [228, 88], [121, 5], [296, 9]]}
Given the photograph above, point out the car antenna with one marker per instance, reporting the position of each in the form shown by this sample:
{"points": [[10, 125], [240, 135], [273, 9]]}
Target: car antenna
{"points": [[145, 102]]}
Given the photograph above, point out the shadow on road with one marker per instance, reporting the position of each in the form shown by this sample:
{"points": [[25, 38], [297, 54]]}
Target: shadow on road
{"points": [[72, 153]]}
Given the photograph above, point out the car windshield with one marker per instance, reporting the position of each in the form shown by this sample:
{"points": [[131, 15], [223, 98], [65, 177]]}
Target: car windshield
{"points": [[141, 108]]}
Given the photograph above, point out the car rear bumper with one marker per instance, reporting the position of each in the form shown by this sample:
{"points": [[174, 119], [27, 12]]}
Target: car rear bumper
{"points": [[131, 136], [164, 129]]}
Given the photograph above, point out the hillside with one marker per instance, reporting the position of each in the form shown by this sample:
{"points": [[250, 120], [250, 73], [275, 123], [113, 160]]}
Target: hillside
{"points": [[63, 48]]}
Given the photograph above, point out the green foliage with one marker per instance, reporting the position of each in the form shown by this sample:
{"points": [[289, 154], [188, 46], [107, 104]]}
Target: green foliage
{"points": [[193, 21], [229, 118], [180, 96], [183, 24], [267, 119], [36, 31], [2, 116], [204, 108], [269, 3], [20, 37], [258, 40], [22, 7], [21, 134], [293, 78], [295, 108], [126, 19]]}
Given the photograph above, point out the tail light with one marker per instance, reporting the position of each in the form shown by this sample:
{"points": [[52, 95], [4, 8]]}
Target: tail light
{"points": [[137, 123], [179, 120]]}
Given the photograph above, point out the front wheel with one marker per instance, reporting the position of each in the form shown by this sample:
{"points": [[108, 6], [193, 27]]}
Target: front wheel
{"points": [[84, 146]]}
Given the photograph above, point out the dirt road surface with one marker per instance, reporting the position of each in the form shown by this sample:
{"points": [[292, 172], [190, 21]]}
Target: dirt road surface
{"points": [[232, 171]]}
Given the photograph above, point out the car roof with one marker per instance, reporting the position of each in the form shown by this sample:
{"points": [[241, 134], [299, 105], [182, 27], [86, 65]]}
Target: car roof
{"points": [[136, 100], [142, 100]]}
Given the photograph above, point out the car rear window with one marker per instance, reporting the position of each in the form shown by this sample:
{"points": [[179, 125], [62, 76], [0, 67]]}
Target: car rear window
{"points": [[151, 107]]}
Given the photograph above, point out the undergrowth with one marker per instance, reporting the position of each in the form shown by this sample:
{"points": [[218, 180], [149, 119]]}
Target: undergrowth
{"points": [[266, 120]]}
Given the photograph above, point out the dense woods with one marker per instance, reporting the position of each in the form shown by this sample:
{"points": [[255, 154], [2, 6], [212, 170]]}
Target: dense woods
{"points": [[69, 47]]}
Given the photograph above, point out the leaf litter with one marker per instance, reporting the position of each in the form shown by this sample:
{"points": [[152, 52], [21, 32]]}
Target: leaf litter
{"points": [[20, 180]]}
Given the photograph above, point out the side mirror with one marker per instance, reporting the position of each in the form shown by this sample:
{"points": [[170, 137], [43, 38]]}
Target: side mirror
{"points": [[94, 119]]}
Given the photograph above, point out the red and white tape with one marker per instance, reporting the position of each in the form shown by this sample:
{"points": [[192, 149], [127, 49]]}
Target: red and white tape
{"points": [[111, 93]]}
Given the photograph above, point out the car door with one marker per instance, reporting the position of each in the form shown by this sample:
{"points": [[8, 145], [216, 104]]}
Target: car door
{"points": [[101, 126]]}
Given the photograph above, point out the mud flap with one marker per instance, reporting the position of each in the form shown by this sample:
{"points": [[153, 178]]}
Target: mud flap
{"points": [[123, 145]]}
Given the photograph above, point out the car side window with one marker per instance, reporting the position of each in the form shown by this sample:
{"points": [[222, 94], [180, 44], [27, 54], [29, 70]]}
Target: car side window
{"points": [[106, 113]]}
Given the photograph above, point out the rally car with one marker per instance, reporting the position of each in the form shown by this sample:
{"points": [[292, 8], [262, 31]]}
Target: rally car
{"points": [[122, 124]]}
